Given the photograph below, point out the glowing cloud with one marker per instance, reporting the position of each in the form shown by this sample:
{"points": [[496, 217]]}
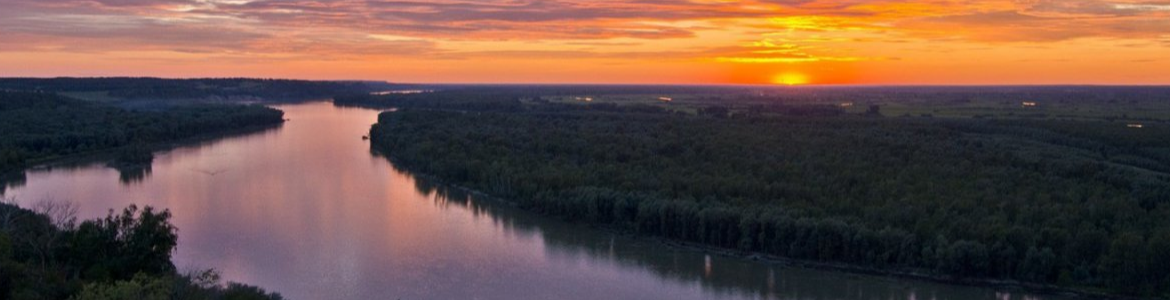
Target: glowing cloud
{"points": [[791, 79], [620, 41]]}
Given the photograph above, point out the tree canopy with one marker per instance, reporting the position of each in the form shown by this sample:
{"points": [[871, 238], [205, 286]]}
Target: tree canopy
{"points": [[36, 126], [1075, 203], [44, 254]]}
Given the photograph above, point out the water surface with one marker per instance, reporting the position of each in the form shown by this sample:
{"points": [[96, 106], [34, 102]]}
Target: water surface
{"points": [[308, 211]]}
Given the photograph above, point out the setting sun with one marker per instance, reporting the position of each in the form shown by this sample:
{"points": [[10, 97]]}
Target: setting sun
{"points": [[579, 41], [399, 134], [791, 79]]}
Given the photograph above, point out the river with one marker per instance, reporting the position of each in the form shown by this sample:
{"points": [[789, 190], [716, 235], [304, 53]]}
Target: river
{"points": [[308, 211]]}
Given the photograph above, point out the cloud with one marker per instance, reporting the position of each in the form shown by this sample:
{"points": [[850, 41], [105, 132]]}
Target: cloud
{"points": [[489, 19], [1096, 7], [790, 2], [1016, 26], [341, 29], [139, 3], [780, 51]]}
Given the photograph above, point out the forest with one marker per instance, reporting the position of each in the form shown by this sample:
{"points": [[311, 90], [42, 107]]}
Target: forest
{"points": [[133, 88], [46, 254], [1078, 204], [455, 99], [1136, 104], [39, 126]]}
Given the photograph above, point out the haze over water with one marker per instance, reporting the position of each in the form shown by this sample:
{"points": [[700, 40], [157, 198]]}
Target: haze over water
{"points": [[308, 211]]}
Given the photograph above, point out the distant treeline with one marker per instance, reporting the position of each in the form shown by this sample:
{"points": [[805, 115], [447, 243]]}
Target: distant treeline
{"points": [[457, 99], [45, 254], [1076, 204], [502, 100], [1134, 104], [37, 126], [130, 88], [772, 93]]}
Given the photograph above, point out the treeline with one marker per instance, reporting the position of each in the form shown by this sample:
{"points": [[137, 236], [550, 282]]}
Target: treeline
{"points": [[500, 99], [132, 88], [749, 95], [935, 95], [478, 99], [682, 267], [1076, 204], [38, 126], [46, 254], [458, 99]]}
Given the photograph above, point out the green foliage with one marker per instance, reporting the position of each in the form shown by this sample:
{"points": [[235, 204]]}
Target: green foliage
{"points": [[451, 100], [37, 126], [200, 286], [184, 89], [1043, 201], [236, 291], [122, 245], [8, 268], [122, 256], [140, 287]]}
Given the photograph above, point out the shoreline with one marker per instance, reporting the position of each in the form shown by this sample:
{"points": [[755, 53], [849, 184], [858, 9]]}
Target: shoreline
{"points": [[764, 258], [105, 155]]}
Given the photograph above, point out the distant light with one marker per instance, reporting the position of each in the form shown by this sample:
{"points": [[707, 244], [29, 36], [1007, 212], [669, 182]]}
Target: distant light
{"points": [[665, 99], [1029, 104], [1136, 126], [847, 104], [791, 79]]}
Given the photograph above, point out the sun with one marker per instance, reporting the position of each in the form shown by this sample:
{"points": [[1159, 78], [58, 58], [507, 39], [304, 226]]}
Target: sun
{"points": [[791, 79]]}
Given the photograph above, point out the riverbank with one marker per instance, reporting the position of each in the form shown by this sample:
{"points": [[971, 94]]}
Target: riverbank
{"points": [[15, 178], [107, 155], [44, 254], [39, 128], [957, 198], [286, 208], [764, 258]]}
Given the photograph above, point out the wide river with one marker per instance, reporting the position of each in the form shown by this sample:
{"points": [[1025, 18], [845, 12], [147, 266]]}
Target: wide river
{"points": [[308, 211]]}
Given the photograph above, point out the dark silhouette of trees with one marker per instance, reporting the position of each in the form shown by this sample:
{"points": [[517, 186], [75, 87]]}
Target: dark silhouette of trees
{"points": [[1072, 203], [40, 126], [126, 255], [131, 88], [125, 244]]}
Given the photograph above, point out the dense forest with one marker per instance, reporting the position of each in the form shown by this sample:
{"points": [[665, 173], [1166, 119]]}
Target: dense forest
{"points": [[813, 94], [455, 99], [130, 88], [1138, 104], [37, 126], [46, 254], [1080, 204]]}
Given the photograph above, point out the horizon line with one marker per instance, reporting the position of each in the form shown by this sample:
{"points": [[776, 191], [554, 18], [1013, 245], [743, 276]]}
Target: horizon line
{"points": [[762, 85]]}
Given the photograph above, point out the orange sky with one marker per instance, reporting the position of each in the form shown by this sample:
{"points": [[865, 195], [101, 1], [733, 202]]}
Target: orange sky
{"points": [[602, 41]]}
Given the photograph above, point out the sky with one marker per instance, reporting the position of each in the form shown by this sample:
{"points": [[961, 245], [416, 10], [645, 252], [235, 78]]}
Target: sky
{"points": [[943, 42]]}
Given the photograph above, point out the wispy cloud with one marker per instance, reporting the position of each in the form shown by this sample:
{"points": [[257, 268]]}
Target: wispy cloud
{"points": [[784, 32]]}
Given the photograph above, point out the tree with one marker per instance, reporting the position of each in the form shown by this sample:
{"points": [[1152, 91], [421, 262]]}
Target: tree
{"points": [[140, 287], [122, 245]]}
